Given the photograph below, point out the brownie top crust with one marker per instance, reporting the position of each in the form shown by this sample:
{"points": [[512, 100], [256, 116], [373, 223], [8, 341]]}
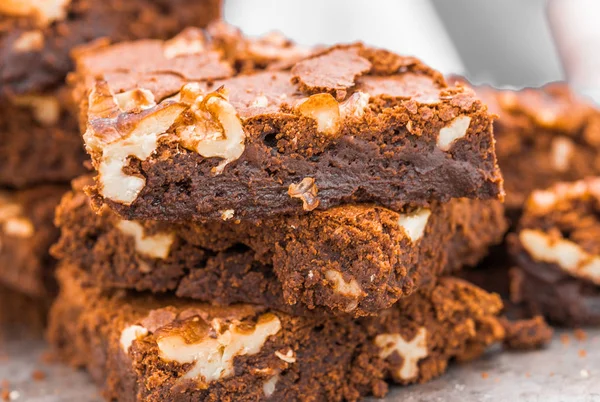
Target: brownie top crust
{"points": [[209, 122]]}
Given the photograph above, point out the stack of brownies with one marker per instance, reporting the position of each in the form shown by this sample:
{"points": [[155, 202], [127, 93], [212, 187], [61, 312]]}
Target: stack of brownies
{"points": [[40, 146], [267, 221]]}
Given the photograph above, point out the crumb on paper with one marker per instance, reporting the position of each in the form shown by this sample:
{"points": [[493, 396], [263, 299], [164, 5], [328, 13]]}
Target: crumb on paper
{"points": [[580, 334], [564, 339], [584, 373], [38, 375], [485, 375]]}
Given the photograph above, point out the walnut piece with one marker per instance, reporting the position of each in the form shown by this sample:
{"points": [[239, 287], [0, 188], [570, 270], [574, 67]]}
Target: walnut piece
{"points": [[227, 214], [44, 11], [270, 385], [288, 357], [569, 256], [154, 246], [118, 135], [307, 191], [541, 201], [562, 150], [12, 221], [45, 108], [455, 130], [345, 288], [29, 41], [216, 130], [410, 352], [190, 41], [324, 109], [130, 334], [211, 351], [414, 223]]}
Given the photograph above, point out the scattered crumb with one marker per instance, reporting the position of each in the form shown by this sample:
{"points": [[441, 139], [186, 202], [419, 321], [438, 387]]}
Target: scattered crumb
{"points": [[584, 373], [38, 375], [5, 394], [582, 353], [496, 380], [580, 335], [528, 374], [552, 374], [13, 395], [564, 339], [484, 375], [48, 357]]}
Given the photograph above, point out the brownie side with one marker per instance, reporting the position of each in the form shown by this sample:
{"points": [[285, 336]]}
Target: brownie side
{"points": [[143, 348], [280, 140], [26, 234], [37, 37], [557, 251], [39, 140], [543, 136], [356, 259], [18, 310]]}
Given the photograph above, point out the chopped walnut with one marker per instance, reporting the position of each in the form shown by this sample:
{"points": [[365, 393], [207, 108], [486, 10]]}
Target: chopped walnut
{"points": [[410, 352], [414, 223], [227, 214], [288, 357], [118, 136], [562, 149], [44, 11], [355, 105], [216, 130], [455, 130], [190, 41], [12, 220], [324, 109], [154, 246], [210, 348], [130, 334], [270, 385], [568, 255], [46, 109], [307, 191], [542, 201], [345, 288], [29, 41]]}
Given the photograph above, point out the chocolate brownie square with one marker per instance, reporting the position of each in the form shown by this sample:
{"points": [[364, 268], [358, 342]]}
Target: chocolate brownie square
{"points": [[557, 250], [544, 136], [39, 140], [26, 233], [177, 131], [354, 259], [143, 348]]}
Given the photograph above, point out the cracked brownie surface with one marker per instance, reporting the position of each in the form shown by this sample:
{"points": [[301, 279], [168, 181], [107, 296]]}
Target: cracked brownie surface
{"points": [[182, 129], [356, 259], [139, 347], [557, 250], [26, 233]]}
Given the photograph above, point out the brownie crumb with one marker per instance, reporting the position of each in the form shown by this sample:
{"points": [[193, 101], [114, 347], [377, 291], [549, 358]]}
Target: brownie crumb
{"points": [[580, 335], [528, 334], [38, 375]]}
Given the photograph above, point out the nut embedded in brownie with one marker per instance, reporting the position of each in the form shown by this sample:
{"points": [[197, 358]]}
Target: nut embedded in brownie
{"points": [[180, 135], [355, 259], [26, 233]]}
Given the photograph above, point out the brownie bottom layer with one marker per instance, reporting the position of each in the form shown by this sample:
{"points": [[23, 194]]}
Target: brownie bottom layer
{"points": [[140, 347]]}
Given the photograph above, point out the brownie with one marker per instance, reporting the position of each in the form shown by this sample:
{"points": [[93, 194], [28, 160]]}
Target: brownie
{"points": [[177, 131], [557, 250], [39, 138], [36, 37], [544, 136], [143, 348], [18, 310], [356, 259], [26, 234]]}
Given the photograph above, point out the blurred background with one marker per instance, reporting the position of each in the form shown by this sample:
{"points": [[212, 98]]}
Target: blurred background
{"points": [[507, 43]]}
